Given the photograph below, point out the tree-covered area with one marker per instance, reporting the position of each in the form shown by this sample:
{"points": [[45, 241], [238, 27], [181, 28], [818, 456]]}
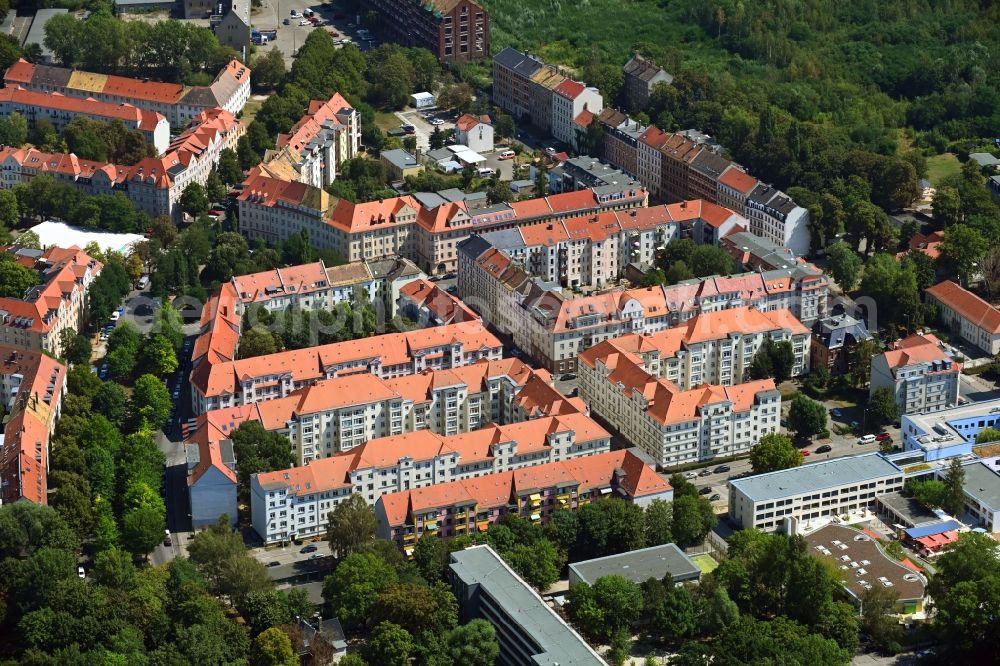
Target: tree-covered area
{"points": [[171, 50]]}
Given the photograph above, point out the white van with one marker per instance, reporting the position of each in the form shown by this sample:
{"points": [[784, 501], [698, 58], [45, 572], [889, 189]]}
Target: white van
{"points": [[485, 172], [506, 155], [142, 283], [866, 439]]}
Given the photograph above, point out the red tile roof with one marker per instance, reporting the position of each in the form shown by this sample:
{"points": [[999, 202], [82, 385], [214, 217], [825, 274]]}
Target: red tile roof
{"points": [[142, 119], [738, 180], [969, 306], [570, 89]]}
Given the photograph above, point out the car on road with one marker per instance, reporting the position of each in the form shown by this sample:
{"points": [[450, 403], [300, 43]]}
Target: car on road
{"points": [[103, 372], [116, 315], [506, 155], [568, 376], [286, 21], [295, 13], [167, 541], [883, 437], [437, 121], [835, 413], [274, 563], [705, 472], [866, 439], [311, 548], [690, 475], [707, 490], [805, 453], [450, 276], [409, 129], [305, 22], [826, 448], [452, 290], [721, 468], [317, 556], [715, 498]]}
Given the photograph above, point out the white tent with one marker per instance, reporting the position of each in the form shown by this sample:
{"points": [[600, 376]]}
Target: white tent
{"points": [[61, 234]]}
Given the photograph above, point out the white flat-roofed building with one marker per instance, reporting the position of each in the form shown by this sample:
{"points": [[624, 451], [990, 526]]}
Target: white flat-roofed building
{"points": [[982, 495], [781, 500], [949, 432]]}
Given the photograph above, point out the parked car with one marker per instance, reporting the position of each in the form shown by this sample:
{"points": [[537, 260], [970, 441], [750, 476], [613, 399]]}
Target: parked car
{"points": [[506, 155], [452, 290], [295, 13], [286, 21], [568, 376], [835, 413], [826, 448], [142, 283], [80, 572], [409, 129], [707, 490], [307, 12], [437, 121], [866, 439], [311, 548], [690, 475], [115, 316], [274, 564], [705, 472], [883, 437], [722, 468], [305, 22], [805, 453], [715, 498], [167, 541]]}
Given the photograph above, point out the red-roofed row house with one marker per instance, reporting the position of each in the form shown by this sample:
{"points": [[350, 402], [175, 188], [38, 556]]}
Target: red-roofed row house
{"points": [[296, 501], [32, 385], [674, 426], [534, 493], [58, 303], [154, 184]]}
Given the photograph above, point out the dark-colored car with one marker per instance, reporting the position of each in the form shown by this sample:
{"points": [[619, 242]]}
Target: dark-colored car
{"points": [[722, 468], [707, 490], [705, 472], [311, 548], [715, 498], [274, 564], [568, 376], [826, 448], [409, 129]]}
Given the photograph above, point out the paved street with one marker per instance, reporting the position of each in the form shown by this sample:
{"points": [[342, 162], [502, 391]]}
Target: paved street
{"points": [[285, 555], [977, 389]]}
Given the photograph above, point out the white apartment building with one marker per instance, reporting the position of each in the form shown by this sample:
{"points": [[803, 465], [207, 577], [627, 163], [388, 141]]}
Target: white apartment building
{"points": [[787, 500], [674, 426], [975, 320], [569, 100], [774, 216], [338, 414], [295, 502], [920, 374]]}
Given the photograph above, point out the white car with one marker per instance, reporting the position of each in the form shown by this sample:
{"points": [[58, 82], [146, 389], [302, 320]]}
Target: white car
{"points": [[437, 121], [80, 572], [305, 22]]}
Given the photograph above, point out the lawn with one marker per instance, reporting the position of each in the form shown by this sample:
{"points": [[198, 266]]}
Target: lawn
{"points": [[386, 121], [251, 108], [942, 166], [706, 563]]}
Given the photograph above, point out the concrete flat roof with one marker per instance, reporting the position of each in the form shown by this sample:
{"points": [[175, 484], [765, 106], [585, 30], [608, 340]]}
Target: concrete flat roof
{"points": [[938, 428], [560, 644], [814, 477], [983, 484], [908, 508], [640, 565]]}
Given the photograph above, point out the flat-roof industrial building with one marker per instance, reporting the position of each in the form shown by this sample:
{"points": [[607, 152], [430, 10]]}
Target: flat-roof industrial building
{"points": [[779, 500], [529, 632], [949, 432], [638, 566]]}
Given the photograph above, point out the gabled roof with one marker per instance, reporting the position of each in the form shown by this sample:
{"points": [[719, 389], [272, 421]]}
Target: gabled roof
{"points": [[972, 308]]}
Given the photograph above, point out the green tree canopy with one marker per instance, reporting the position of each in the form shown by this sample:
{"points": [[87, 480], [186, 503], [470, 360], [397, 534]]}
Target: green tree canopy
{"points": [[350, 526], [774, 451], [807, 418]]}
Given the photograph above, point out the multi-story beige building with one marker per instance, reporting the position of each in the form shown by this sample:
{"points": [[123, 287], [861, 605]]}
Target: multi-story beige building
{"points": [[675, 426], [272, 209], [920, 374], [296, 501], [218, 380], [972, 318], [38, 320]]}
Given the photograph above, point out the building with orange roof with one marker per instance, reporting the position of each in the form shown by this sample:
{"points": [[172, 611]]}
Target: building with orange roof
{"points": [[975, 320], [533, 493], [920, 372], [219, 382], [929, 244], [620, 140], [476, 132], [429, 305], [60, 110], [58, 303], [734, 186], [313, 150], [338, 414], [211, 481], [177, 103], [32, 385], [675, 426], [420, 460]]}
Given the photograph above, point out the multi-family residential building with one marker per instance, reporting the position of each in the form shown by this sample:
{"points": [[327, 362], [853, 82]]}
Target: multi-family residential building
{"points": [[714, 348], [426, 303], [532, 493], [526, 87], [32, 385], [674, 426], [425, 228], [574, 106], [585, 172], [921, 374], [803, 292], [787, 500], [177, 103], [620, 140], [756, 253], [476, 132], [641, 76], [734, 186], [211, 475], [317, 144], [60, 110], [294, 503], [833, 342], [453, 30], [594, 249], [973, 319], [528, 631], [39, 319], [217, 380], [774, 216], [154, 184]]}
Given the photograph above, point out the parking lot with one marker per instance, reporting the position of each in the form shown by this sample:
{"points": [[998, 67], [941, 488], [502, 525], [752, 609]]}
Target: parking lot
{"points": [[424, 128], [271, 16]]}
